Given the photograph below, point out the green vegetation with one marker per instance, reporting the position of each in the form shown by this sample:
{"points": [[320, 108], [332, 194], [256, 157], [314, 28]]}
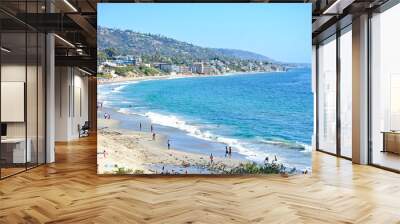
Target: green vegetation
{"points": [[102, 75], [122, 170], [148, 50], [124, 71], [110, 52], [141, 70], [148, 71], [254, 168], [156, 48], [101, 56]]}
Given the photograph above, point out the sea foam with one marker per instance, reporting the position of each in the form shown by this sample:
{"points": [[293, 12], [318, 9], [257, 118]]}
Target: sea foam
{"points": [[238, 145]]}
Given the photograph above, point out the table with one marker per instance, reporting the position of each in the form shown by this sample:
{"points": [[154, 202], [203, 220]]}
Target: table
{"points": [[391, 141], [16, 153]]}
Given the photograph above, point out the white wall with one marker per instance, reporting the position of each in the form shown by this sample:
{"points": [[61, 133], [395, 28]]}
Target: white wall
{"points": [[33, 126], [71, 94]]}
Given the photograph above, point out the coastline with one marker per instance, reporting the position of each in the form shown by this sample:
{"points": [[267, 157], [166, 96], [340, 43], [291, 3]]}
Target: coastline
{"points": [[186, 140], [175, 76], [143, 78], [135, 152]]}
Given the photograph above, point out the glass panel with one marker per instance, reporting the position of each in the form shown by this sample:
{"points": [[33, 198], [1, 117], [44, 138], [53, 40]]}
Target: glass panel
{"points": [[32, 88], [346, 94], [31, 98], [23, 84], [13, 79], [327, 96], [385, 82]]}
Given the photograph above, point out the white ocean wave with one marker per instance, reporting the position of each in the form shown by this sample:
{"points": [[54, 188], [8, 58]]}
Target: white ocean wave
{"points": [[291, 145], [194, 131], [118, 89], [124, 111]]}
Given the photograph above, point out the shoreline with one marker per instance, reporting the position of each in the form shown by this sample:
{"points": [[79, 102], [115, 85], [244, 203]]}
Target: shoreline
{"points": [[135, 152], [139, 78], [176, 76], [130, 151], [130, 121]]}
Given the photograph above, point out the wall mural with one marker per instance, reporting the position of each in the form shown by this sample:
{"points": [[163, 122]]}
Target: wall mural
{"points": [[204, 89]]}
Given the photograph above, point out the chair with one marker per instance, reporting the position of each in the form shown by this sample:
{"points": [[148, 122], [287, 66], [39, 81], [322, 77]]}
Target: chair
{"points": [[84, 130]]}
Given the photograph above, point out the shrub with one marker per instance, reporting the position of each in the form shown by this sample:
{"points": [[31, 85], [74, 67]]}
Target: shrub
{"points": [[122, 170], [255, 168]]}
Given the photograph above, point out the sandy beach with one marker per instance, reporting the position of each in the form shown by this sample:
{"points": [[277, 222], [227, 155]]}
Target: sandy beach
{"points": [[129, 152], [157, 77]]}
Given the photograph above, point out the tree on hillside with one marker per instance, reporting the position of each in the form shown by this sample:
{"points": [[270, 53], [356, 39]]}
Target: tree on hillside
{"points": [[110, 52]]}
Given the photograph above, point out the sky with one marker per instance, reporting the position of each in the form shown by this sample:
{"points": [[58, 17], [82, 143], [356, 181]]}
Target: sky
{"points": [[279, 31]]}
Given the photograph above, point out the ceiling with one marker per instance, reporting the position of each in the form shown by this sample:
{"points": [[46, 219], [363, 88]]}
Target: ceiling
{"points": [[75, 21]]}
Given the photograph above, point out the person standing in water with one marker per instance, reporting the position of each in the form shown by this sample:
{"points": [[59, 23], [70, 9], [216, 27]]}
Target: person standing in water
{"points": [[211, 158], [226, 151], [169, 145], [230, 151], [140, 126], [151, 128]]}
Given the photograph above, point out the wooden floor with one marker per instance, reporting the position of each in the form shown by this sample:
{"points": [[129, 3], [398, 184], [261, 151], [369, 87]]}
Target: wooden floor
{"points": [[69, 191]]}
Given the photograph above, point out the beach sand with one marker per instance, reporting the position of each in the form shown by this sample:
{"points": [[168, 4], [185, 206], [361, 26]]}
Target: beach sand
{"points": [[143, 78], [162, 76], [129, 152], [107, 123]]}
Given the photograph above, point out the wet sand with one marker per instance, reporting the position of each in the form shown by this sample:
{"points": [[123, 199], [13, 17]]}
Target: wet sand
{"points": [[133, 152]]}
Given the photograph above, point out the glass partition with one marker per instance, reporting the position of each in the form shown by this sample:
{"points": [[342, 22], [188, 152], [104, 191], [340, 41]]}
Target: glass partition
{"points": [[14, 153], [22, 101], [327, 95], [385, 89], [32, 98]]}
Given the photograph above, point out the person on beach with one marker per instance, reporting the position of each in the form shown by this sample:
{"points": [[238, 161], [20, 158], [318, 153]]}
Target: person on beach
{"points": [[140, 126], [230, 151], [169, 145], [154, 136], [211, 158], [151, 128], [226, 151]]}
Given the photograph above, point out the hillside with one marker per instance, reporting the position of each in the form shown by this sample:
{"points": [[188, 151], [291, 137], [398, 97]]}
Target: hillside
{"points": [[160, 47]]}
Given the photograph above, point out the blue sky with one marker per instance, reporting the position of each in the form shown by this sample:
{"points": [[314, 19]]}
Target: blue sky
{"points": [[279, 31]]}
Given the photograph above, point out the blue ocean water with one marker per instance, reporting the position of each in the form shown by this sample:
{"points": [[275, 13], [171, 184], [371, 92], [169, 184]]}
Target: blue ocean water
{"points": [[259, 115]]}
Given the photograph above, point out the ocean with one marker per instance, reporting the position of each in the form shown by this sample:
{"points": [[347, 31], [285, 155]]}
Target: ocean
{"points": [[260, 114]]}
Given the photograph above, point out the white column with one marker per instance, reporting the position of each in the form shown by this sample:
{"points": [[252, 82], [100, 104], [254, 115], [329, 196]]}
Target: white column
{"points": [[360, 90], [50, 100]]}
